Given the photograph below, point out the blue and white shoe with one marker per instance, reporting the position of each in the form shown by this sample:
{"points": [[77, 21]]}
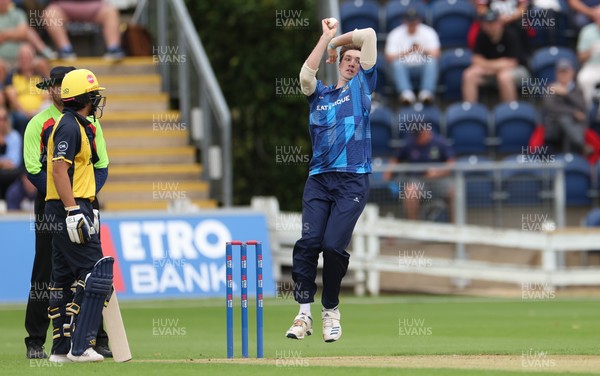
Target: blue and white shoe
{"points": [[332, 330], [301, 327]]}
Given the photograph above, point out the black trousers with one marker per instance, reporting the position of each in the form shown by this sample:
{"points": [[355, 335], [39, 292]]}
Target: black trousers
{"points": [[36, 314]]}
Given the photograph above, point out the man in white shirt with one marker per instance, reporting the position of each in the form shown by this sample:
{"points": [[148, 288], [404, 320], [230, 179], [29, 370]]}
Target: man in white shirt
{"points": [[413, 49]]}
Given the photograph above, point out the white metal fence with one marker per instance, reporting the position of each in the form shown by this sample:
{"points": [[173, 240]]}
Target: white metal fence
{"points": [[367, 262]]}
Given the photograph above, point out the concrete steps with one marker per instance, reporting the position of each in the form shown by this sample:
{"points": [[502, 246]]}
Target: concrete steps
{"points": [[152, 172], [180, 154], [168, 190], [128, 84], [100, 67], [136, 102], [154, 120], [153, 205], [144, 138]]}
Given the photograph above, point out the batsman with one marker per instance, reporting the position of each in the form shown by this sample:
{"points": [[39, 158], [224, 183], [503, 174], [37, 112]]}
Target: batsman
{"points": [[76, 251]]}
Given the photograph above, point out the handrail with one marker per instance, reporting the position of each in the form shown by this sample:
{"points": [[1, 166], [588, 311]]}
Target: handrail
{"points": [[209, 90], [215, 95]]}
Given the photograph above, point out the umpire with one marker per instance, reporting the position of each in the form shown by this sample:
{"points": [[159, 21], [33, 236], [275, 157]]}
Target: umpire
{"points": [[35, 144]]}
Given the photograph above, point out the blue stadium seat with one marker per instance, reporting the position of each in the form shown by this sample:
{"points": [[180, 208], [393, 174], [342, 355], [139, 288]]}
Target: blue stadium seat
{"points": [[521, 187], [578, 179], [452, 63], [594, 117], [467, 127], [359, 14], [452, 20], [479, 184], [514, 123], [395, 9], [382, 120], [554, 28], [592, 219], [384, 84], [544, 60], [410, 119]]}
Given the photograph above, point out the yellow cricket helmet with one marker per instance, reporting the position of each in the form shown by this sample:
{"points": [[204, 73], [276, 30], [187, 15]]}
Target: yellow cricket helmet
{"points": [[77, 82]]}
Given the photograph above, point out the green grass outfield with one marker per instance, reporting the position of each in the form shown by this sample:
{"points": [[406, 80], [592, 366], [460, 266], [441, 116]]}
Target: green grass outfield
{"points": [[166, 336]]}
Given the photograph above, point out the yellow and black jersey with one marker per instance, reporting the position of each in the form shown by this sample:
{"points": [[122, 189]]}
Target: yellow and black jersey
{"points": [[70, 143]]}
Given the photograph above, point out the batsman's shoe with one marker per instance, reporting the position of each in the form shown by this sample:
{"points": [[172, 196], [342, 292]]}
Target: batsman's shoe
{"points": [[59, 358], [332, 330], [89, 355], [302, 326]]}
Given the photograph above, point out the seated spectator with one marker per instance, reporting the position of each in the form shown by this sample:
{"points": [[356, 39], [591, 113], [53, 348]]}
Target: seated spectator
{"points": [[24, 98], [21, 194], [584, 11], [425, 147], [594, 112], [10, 153], [510, 13], [588, 52], [413, 50], [13, 33], [564, 112], [497, 56], [94, 11]]}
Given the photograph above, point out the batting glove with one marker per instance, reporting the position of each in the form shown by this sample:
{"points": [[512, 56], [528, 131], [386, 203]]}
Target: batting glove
{"points": [[97, 221], [79, 227]]}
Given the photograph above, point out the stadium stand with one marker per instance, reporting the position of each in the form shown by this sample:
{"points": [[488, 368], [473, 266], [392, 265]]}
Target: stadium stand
{"points": [[395, 10], [513, 124], [544, 60], [359, 14], [467, 128], [452, 64], [382, 119], [452, 20]]}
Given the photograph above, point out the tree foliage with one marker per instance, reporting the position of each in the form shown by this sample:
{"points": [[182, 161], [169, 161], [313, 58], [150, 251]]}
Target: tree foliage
{"points": [[249, 51]]}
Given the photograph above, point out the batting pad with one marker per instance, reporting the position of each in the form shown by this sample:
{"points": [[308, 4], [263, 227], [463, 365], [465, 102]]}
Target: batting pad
{"points": [[98, 286]]}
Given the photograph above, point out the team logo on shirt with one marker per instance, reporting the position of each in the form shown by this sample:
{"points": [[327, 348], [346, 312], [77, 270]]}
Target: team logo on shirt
{"points": [[62, 146], [329, 106], [346, 87]]}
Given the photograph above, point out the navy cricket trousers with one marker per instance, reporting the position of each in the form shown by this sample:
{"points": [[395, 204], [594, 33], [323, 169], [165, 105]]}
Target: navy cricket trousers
{"points": [[331, 205]]}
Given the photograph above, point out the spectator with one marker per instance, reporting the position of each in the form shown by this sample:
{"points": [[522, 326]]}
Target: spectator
{"points": [[584, 11], [21, 194], [94, 11], [413, 50], [13, 31], [10, 153], [425, 147], [510, 13], [588, 51], [24, 98], [564, 112], [497, 55]]}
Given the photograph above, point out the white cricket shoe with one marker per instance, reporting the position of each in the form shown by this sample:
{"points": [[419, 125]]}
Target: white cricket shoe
{"points": [[59, 358], [332, 330], [302, 326], [89, 355]]}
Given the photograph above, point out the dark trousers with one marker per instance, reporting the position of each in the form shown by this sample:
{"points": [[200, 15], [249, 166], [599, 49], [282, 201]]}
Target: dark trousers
{"points": [[36, 314], [331, 205], [7, 177]]}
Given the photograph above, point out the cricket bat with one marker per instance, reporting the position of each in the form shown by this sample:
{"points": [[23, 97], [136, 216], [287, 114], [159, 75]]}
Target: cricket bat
{"points": [[115, 329]]}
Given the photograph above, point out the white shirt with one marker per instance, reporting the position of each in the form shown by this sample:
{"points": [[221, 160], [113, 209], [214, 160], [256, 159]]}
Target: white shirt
{"points": [[399, 40]]}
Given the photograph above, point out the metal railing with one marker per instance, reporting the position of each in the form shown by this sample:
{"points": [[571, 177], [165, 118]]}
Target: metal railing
{"points": [[193, 83]]}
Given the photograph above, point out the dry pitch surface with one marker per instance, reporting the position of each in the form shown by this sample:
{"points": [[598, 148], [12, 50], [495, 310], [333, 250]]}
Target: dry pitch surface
{"points": [[550, 363]]}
